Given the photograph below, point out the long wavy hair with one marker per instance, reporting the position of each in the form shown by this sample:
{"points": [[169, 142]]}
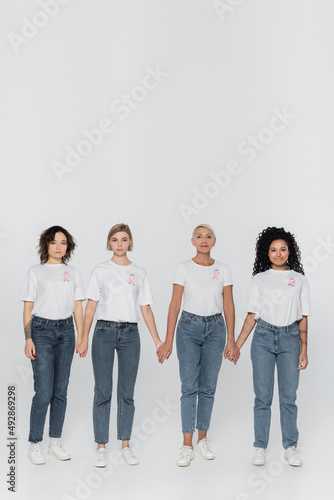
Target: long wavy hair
{"points": [[49, 235], [263, 242]]}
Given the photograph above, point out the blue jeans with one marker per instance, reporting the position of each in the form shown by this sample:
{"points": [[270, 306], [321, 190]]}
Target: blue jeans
{"points": [[275, 345], [124, 338], [54, 343], [200, 342]]}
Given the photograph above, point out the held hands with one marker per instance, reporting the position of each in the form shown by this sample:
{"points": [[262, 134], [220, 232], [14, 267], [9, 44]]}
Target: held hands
{"points": [[231, 352], [163, 352], [81, 347], [29, 349]]}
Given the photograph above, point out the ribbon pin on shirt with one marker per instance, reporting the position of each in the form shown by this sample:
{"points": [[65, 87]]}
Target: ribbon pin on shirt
{"points": [[215, 274], [131, 279], [291, 282], [66, 276]]}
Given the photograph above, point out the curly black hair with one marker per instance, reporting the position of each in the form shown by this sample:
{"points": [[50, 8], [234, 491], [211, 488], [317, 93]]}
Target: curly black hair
{"points": [[263, 242], [49, 235]]}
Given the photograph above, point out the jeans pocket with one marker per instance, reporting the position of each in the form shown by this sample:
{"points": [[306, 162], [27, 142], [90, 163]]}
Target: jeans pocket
{"points": [[186, 319], [220, 320], [100, 326], [260, 331], [133, 329], [37, 324]]}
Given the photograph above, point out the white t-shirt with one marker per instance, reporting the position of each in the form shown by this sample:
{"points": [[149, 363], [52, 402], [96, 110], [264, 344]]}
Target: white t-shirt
{"points": [[119, 290], [279, 297], [53, 288], [203, 286]]}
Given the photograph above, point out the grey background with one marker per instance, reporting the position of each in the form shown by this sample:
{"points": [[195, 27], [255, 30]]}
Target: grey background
{"points": [[231, 67]]}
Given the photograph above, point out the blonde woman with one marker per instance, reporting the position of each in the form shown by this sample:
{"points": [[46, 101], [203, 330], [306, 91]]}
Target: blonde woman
{"points": [[116, 289], [205, 285]]}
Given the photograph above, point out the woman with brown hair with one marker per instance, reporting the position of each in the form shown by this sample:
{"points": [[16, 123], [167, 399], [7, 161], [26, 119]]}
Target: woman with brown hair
{"points": [[52, 292]]}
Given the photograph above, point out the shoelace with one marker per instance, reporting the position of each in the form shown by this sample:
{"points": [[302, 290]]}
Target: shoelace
{"points": [[293, 450], [185, 450], [205, 445], [36, 447], [100, 454], [129, 453]]}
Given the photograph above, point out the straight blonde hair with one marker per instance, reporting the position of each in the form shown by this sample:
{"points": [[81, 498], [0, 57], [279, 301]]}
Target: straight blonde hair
{"points": [[207, 227], [116, 229]]}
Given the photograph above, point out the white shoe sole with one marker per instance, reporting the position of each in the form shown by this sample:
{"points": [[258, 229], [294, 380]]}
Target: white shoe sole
{"points": [[259, 464], [185, 465], [63, 459], [36, 463], [293, 465]]}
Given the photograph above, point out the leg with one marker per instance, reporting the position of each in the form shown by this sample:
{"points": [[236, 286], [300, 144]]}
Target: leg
{"points": [[104, 342], [128, 352], [64, 351], [43, 370], [211, 360], [288, 379], [263, 361], [189, 344]]}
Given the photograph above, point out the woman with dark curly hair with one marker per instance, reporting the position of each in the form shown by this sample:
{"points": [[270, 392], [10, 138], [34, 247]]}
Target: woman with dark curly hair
{"points": [[52, 292], [278, 303]]}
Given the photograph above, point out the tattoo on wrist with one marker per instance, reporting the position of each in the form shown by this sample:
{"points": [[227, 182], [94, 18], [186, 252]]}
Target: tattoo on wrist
{"points": [[27, 330], [303, 342]]}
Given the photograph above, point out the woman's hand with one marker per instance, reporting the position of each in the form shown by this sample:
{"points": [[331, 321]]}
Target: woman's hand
{"points": [[231, 352], [164, 351], [81, 347], [29, 349], [303, 361], [158, 344]]}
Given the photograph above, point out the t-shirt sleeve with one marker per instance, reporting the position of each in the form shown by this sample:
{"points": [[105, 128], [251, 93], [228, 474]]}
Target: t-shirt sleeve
{"points": [[144, 293], [29, 291], [93, 291], [305, 299], [179, 276], [253, 302], [79, 293], [228, 276]]}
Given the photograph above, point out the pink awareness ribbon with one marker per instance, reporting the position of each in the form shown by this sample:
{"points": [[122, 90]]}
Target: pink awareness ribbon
{"points": [[215, 274], [131, 279], [66, 276], [291, 281]]}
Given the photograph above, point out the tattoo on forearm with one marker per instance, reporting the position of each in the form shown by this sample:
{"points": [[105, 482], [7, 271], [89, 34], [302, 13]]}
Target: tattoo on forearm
{"points": [[303, 342], [303, 332], [27, 330]]}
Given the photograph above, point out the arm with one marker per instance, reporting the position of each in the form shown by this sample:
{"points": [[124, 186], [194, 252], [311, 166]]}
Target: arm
{"points": [[229, 313], [29, 349], [150, 323], [302, 327], [78, 318], [165, 350], [82, 346], [248, 326]]}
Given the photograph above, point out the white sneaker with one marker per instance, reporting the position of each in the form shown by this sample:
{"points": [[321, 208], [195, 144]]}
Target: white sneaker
{"points": [[292, 456], [35, 455], [204, 449], [129, 456], [186, 456], [57, 451], [101, 458], [259, 456]]}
